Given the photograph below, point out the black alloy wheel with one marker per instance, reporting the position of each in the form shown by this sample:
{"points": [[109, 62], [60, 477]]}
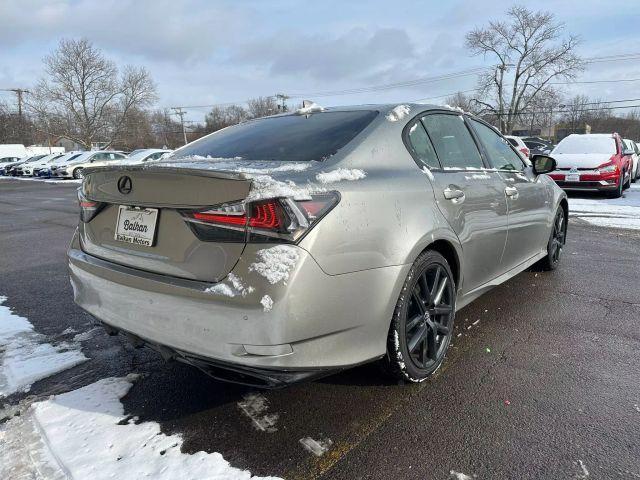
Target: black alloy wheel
{"points": [[423, 321], [557, 241]]}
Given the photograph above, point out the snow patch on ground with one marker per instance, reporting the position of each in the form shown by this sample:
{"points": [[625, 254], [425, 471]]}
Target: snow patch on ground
{"points": [[340, 174], [25, 357], [460, 475], [42, 180], [89, 334], [317, 447], [267, 303], [276, 263], [255, 406], [621, 212], [398, 113], [85, 434]]}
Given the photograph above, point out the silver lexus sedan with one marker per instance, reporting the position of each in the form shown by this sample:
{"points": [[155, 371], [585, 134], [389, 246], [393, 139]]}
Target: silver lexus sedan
{"points": [[293, 246]]}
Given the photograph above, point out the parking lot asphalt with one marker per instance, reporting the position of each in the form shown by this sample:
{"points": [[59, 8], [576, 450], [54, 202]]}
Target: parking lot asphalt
{"points": [[542, 380]]}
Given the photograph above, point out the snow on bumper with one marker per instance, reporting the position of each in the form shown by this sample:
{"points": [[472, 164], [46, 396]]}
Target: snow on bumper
{"points": [[314, 320]]}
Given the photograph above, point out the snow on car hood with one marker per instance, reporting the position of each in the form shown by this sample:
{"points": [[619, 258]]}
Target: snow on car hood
{"points": [[581, 160]]}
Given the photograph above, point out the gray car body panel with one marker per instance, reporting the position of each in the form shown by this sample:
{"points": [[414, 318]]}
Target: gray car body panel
{"points": [[335, 308]]}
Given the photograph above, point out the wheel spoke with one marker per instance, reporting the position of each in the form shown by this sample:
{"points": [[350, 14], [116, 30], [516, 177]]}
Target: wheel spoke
{"points": [[418, 301], [424, 289], [440, 310], [442, 329], [432, 344], [417, 338], [413, 322], [436, 280], [438, 298]]}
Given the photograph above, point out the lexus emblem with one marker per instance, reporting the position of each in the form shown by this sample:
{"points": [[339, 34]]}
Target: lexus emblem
{"points": [[124, 185]]}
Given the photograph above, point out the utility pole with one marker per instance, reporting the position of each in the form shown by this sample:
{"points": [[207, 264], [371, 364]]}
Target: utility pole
{"points": [[19, 92], [180, 112], [282, 98]]}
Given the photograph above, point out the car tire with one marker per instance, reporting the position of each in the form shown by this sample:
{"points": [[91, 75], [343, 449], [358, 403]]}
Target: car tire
{"points": [[617, 193], [422, 323], [557, 240], [77, 173]]}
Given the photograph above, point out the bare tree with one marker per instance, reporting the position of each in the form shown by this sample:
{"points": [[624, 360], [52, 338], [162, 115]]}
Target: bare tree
{"points": [[262, 107], [221, 117], [84, 98], [460, 100], [529, 54]]}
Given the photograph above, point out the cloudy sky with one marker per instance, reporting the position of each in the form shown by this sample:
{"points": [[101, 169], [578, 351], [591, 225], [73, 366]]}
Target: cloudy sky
{"points": [[206, 52]]}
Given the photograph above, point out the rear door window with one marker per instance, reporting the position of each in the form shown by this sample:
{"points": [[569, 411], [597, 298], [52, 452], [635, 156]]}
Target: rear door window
{"points": [[422, 147], [452, 141], [287, 138], [501, 155]]}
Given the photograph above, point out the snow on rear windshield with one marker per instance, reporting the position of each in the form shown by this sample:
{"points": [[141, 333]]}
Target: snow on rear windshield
{"points": [[288, 138], [586, 144]]}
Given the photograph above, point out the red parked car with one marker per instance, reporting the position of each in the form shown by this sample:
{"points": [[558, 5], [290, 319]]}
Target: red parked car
{"points": [[592, 162]]}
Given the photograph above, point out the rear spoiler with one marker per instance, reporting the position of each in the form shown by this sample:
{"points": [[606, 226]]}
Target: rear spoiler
{"points": [[165, 186]]}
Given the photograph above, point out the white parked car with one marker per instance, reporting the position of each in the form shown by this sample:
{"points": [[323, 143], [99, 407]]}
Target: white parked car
{"points": [[98, 158], [57, 162], [631, 146], [42, 164], [145, 155], [519, 144], [28, 168]]}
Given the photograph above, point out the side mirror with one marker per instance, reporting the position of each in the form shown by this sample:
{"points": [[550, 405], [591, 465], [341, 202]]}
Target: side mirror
{"points": [[543, 164], [628, 152]]}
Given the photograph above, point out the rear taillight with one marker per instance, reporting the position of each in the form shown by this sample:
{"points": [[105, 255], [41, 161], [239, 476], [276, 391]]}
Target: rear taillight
{"points": [[276, 219], [88, 208]]}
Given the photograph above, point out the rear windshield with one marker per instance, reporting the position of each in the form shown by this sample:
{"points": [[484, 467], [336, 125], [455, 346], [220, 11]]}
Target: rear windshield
{"points": [[586, 144], [289, 138]]}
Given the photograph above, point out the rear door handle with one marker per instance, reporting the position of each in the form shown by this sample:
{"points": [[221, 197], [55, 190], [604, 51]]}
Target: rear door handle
{"points": [[453, 194], [511, 192]]}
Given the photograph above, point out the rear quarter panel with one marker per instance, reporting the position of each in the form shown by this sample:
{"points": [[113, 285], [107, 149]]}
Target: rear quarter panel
{"points": [[384, 219]]}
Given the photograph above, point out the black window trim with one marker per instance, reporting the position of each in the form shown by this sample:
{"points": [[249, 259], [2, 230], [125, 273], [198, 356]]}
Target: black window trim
{"points": [[486, 154], [418, 119]]}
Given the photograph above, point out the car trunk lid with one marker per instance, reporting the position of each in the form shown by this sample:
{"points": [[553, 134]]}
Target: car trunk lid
{"points": [[175, 249]]}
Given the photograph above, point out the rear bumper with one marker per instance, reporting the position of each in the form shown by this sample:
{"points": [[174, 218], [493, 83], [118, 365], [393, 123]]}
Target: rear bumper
{"points": [[318, 323]]}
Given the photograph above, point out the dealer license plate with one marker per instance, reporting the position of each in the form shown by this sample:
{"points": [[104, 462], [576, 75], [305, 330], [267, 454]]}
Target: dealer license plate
{"points": [[572, 178], [136, 225]]}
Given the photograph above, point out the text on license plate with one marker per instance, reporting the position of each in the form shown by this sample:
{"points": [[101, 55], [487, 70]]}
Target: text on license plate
{"points": [[136, 225], [575, 177]]}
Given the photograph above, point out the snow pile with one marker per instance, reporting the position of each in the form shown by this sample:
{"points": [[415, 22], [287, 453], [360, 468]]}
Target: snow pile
{"points": [[239, 286], [340, 174], [460, 475], [85, 434], [428, 173], [311, 108], [398, 113], [276, 263], [317, 447], [267, 303], [265, 186], [25, 356], [621, 212], [457, 109], [255, 406], [221, 289]]}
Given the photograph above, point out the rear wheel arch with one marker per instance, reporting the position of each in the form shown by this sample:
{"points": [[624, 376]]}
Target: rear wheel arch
{"points": [[449, 252]]}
